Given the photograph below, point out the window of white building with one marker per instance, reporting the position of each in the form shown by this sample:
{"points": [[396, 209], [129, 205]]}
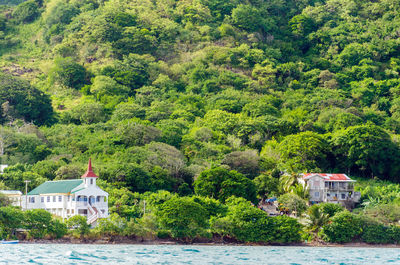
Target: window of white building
{"points": [[59, 198], [316, 194], [42, 199], [54, 199], [48, 198]]}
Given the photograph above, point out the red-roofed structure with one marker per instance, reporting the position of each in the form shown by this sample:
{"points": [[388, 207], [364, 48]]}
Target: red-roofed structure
{"points": [[327, 187], [67, 198], [89, 172], [329, 177]]}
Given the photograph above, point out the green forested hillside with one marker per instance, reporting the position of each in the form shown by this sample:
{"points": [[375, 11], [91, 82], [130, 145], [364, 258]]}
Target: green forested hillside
{"points": [[159, 92]]}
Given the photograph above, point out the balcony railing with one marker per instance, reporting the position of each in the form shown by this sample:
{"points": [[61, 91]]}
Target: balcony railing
{"points": [[86, 203], [339, 189]]}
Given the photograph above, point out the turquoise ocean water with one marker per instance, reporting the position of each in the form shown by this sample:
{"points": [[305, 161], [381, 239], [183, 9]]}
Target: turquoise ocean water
{"points": [[165, 254]]}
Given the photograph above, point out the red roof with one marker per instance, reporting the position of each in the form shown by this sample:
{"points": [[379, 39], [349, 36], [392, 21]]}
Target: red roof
{"points": [[328, 176], [89, 172]]}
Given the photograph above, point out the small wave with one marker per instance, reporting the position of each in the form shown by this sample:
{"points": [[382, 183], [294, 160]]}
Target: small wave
{"points": [[191, 250], [73, 255]]}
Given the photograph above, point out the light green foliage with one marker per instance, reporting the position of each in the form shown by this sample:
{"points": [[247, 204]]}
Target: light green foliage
{"points": [[344, 227], [245, 162], [184, 217], [247, 223], [20, 146], [14, 177], [26, 12], [145, 228], [157, 92], [388, 214], [267, 185], [111, 226], [364, 149], [79, 224], [123, 202], [11, 218], [156, 199], [301, 25], [304, 152], [331, 209], [104, 87], [134, 132], [19, 100], [220, 183], [57, 229], [293, 203], [38, 222], [67, 72], [87, 112], [287, 182], [132, 71], [246, 17], [302, 191], [126, 111], [212, 206], [317, 217], [375, 192]]}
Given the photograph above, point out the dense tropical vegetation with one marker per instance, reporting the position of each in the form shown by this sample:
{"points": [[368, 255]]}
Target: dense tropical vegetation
{"points": [[200, 107]]}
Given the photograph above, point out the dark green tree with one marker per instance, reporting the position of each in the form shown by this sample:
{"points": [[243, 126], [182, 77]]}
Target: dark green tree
{"points": [[67, 72], [19, 100], [220, 183], [184, 217], [366, 150], [26, 12]]}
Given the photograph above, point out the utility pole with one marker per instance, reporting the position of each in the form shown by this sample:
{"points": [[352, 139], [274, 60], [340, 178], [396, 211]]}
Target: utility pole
{"points": [[26, 194]]}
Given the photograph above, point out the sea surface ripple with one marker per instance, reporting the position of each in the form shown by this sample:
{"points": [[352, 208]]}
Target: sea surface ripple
{"points": [[192, 254]]}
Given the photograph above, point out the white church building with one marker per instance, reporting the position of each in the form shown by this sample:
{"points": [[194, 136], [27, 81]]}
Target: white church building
{"points": [[67, 198]]}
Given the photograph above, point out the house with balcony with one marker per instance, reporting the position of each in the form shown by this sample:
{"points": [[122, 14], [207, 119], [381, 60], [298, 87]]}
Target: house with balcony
{"points": [[334, 188], [67, 198]]}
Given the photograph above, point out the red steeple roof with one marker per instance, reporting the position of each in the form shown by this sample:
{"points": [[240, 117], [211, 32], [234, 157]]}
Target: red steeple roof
{"points": [[89, 172]]}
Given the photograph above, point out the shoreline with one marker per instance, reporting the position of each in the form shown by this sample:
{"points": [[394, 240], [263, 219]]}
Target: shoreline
{"points": [[126, 241]]}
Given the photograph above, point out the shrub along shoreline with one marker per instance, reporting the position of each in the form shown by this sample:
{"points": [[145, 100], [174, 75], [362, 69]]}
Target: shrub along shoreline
{"points": [[212, 242], [171, 219]]}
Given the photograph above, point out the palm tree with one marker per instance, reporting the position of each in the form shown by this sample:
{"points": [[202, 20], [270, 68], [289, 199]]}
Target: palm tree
{"points": [[317, 218], [302, 191], [288, 181]]}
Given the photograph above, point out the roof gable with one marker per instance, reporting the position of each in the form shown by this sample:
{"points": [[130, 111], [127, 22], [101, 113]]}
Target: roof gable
{"points": [[61, 186], [329, 177], [11, 192]]}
